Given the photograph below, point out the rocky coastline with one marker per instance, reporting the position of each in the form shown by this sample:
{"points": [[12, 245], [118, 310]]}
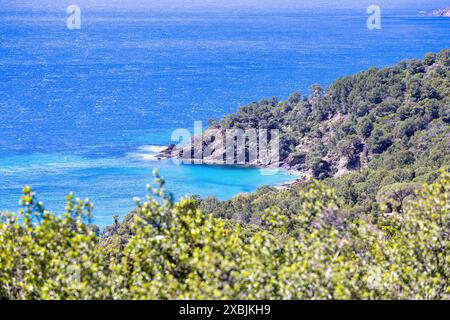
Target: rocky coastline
{"points": [[185, 154]]}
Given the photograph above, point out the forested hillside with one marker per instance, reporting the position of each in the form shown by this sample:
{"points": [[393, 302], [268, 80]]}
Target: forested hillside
{"points": [[360, 119], [376, 134], [370, 219]]}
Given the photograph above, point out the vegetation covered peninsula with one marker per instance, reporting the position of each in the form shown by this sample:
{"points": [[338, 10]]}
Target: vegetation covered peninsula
{"points": [[371, 219]]}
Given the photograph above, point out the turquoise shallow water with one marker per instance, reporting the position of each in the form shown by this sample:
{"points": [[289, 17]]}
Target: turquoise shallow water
{"points": [[111, 183], [77, 106]]}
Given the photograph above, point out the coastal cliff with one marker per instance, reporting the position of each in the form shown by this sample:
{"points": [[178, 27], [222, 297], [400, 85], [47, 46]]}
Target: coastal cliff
{"points": [[359, 121]]}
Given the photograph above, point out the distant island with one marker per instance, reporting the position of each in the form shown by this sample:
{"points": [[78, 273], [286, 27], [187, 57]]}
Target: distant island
{"points": [[438, 13]]}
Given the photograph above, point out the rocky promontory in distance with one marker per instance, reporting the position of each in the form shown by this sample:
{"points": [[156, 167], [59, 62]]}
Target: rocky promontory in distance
{"points": [[438, 13]]}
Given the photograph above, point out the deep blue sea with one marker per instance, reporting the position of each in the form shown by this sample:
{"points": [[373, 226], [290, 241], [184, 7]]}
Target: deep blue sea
{"points": [[80, 110]]}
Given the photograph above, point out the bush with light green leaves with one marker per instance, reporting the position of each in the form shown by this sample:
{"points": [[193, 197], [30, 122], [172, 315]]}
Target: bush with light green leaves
{"points": [[174, 251], [48, 256]]}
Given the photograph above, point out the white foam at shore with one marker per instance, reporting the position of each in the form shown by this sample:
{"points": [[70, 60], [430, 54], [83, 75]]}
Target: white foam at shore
{"points": [[143, 156], [151, 149], [148, 153]]}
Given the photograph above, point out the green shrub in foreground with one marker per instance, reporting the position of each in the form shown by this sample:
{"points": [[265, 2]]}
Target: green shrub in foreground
{"points": [[175, 251]]}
